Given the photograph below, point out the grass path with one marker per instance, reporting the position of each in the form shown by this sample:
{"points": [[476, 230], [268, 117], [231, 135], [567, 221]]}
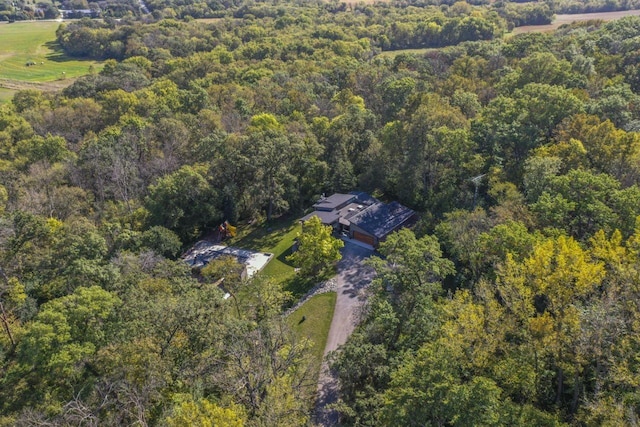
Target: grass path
{"points": [[46, 86], [9, 87]]}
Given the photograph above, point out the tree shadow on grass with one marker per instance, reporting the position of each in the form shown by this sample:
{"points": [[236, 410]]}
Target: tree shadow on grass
{"points": [[299, 285], [283, 257], [57, 54], [279, 267], [265, 236]]}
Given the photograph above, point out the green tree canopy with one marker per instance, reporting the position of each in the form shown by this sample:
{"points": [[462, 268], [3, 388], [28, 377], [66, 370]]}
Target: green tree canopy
{"points": [[317, 249]]}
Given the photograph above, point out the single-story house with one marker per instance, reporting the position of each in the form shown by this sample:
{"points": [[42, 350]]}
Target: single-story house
{"points": [[361, 217]]}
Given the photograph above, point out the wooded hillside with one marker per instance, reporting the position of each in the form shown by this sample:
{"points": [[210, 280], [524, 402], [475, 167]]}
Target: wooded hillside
{"points": [[513, 301]]}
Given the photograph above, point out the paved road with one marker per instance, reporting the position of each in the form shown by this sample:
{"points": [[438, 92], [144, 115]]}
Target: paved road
{"points": [[352, 279]]}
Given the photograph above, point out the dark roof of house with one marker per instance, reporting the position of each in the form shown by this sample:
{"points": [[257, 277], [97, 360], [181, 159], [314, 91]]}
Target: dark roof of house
{"points": [[364, 198], [380, 219], [333, 202], [327, 218]]}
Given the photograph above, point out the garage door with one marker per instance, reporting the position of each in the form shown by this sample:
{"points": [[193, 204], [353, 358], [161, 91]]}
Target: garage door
{"points": [[365, 238]]}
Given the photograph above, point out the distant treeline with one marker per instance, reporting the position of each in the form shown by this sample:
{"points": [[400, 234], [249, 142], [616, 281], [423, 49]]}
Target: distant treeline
{"points": [[388, 29], [516, 13], [19, 10], [590, 6]]}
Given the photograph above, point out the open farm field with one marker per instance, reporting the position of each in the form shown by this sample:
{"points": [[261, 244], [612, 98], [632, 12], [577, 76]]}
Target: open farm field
{"points": [[568, 19], [34, 43]]}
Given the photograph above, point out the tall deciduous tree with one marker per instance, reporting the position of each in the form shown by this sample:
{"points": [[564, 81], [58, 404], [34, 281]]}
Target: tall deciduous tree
{"points": [[545, 292], [269, 153], [509, 127], [58, 347], [411, 273], [12, 297], [317, 248], [184, 202], [204, 413]]}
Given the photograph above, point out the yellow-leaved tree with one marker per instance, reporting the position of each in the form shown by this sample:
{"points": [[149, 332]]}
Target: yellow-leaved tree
{"points": [[317, 248], [544, 294], [204, 413]]}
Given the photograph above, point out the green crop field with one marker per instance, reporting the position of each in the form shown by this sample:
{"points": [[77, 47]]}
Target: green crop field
{"points": [[35, 43]]}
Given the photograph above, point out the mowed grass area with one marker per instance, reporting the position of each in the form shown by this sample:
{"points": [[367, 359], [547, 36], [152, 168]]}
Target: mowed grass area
{"points": [[277, 238], [317, 313], [23, 42], [6, 95]]}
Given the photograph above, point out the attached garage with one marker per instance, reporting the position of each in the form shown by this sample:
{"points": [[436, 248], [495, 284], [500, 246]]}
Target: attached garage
{"points": [[364, 238], [373, 224]]}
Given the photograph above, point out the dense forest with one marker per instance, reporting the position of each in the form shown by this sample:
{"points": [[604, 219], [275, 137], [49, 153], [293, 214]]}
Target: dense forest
{"points": [[517, 12], [515, 300]]}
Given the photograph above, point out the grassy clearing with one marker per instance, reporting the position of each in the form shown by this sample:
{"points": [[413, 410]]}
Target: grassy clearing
{"points": [[393, 53], [318, 312], [277, 238], [562, 19], [6, 95], [357, 2], [24, 42], [211, 20]]}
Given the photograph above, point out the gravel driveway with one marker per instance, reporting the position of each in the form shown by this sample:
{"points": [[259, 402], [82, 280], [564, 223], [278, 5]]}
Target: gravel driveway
{"points": [[353, 277]]}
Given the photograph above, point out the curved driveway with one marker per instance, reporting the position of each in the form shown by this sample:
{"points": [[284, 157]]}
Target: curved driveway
{"points": [[353, 277]]}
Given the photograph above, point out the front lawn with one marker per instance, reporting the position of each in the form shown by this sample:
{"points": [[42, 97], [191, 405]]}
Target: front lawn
{"points": [[317, 313], [277, 238]]}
